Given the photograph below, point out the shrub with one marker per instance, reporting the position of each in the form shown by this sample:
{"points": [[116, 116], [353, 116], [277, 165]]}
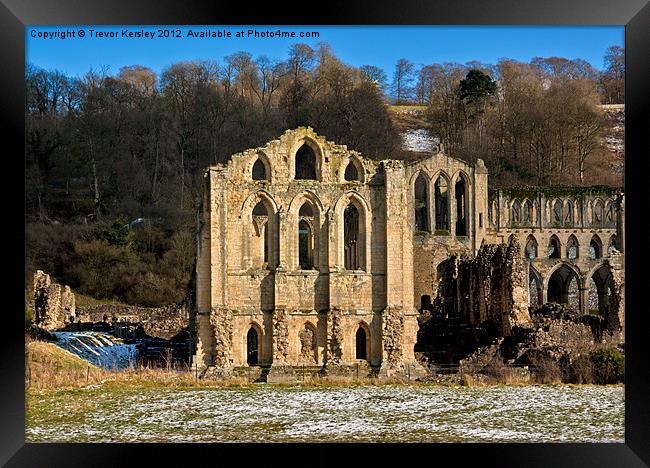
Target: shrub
{"points": [[608, 366], [115, 233], [581, 370], [546, 369]]}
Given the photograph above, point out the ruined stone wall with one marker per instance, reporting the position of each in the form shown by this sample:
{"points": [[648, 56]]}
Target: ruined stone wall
{"points": [[221, 323], [54, 304], [392, 334], [492, 287], [162, 322], [615, 320], [335, 340], [429, 253]]}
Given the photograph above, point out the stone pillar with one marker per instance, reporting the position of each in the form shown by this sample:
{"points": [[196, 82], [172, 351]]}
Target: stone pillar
{"points": [[583, 296], [284, 239], [54, 304], [480, 204], [281, 371], [221, 325], [399, 330], [451, 191], [615, 320], [620, 223]]}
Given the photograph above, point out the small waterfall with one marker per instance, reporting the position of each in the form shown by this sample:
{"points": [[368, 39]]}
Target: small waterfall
{"points": [[102, 349]]}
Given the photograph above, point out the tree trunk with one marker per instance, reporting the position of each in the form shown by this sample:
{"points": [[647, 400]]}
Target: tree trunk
{"points": [[95, 179]]}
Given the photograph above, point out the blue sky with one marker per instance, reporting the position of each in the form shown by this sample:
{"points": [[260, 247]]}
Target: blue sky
{"points": [[356, 45]]}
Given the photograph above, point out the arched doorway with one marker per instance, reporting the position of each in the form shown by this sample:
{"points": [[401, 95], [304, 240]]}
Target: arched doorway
{"points": [[252, 347], [361, 343], [564, 287], [598, 293]]}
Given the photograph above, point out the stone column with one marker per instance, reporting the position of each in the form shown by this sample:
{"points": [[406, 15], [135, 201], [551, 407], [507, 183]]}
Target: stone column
{"points": [[221, 325], [281, 371], [583, 296], [451, 192], [620, 223], [399, 331]]}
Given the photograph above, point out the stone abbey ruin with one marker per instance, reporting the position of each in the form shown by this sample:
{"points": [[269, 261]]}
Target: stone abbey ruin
{"points": [[310, 255]]}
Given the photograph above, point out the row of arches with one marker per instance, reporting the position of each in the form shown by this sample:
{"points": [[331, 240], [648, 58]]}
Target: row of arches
{"points": [[308, 344], [558, 212], [571, 250], [306, 166], [565, 285], [438, 219], [262, 241]]}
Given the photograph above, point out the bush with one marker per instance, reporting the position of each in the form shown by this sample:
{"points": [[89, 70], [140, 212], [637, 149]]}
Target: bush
{"points": [[608, 366], [581, 370], [115, 233], [546, 369]]}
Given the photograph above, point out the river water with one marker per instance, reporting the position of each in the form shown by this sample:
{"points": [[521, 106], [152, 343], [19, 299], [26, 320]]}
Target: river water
{"points": [[265, 413]]}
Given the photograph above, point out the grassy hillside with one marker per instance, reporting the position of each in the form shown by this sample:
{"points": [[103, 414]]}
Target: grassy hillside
{"points": [[408, 117], [50, 367]]}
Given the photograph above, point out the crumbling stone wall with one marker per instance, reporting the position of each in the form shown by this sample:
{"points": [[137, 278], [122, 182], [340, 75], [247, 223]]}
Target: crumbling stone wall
{"points": [[615, 320], [221, 323], [161, 322], [492, 287], [557, 333], [392, 334], [54, 304], [307, 346], [280, 336], [334, 336]]}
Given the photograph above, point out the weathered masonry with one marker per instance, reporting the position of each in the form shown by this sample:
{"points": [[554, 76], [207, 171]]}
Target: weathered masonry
{"points": [[310, 254]]}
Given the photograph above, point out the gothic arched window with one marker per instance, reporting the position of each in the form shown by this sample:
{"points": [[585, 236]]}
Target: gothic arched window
{"points": [[421, 203], [305, 163], [351, 237]]}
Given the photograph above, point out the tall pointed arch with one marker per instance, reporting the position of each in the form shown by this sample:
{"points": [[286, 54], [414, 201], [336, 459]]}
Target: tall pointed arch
{"points": [[260, 231], [461, 198], [305, 215], [421, 203], [352, 223], [442, 202], [572, 248]]}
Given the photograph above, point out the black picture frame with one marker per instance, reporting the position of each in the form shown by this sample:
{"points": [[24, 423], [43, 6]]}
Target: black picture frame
{"points": [[634, 14]]}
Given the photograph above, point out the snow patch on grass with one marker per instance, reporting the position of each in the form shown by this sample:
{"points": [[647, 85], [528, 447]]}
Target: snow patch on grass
{"points": [[361, 414]]}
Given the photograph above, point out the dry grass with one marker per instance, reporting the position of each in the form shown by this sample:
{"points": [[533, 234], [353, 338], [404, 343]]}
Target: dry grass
{"points": [[49, 367]]}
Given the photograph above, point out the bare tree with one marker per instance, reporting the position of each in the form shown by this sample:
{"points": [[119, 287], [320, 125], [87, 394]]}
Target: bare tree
{"points": [[402, 79]]}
